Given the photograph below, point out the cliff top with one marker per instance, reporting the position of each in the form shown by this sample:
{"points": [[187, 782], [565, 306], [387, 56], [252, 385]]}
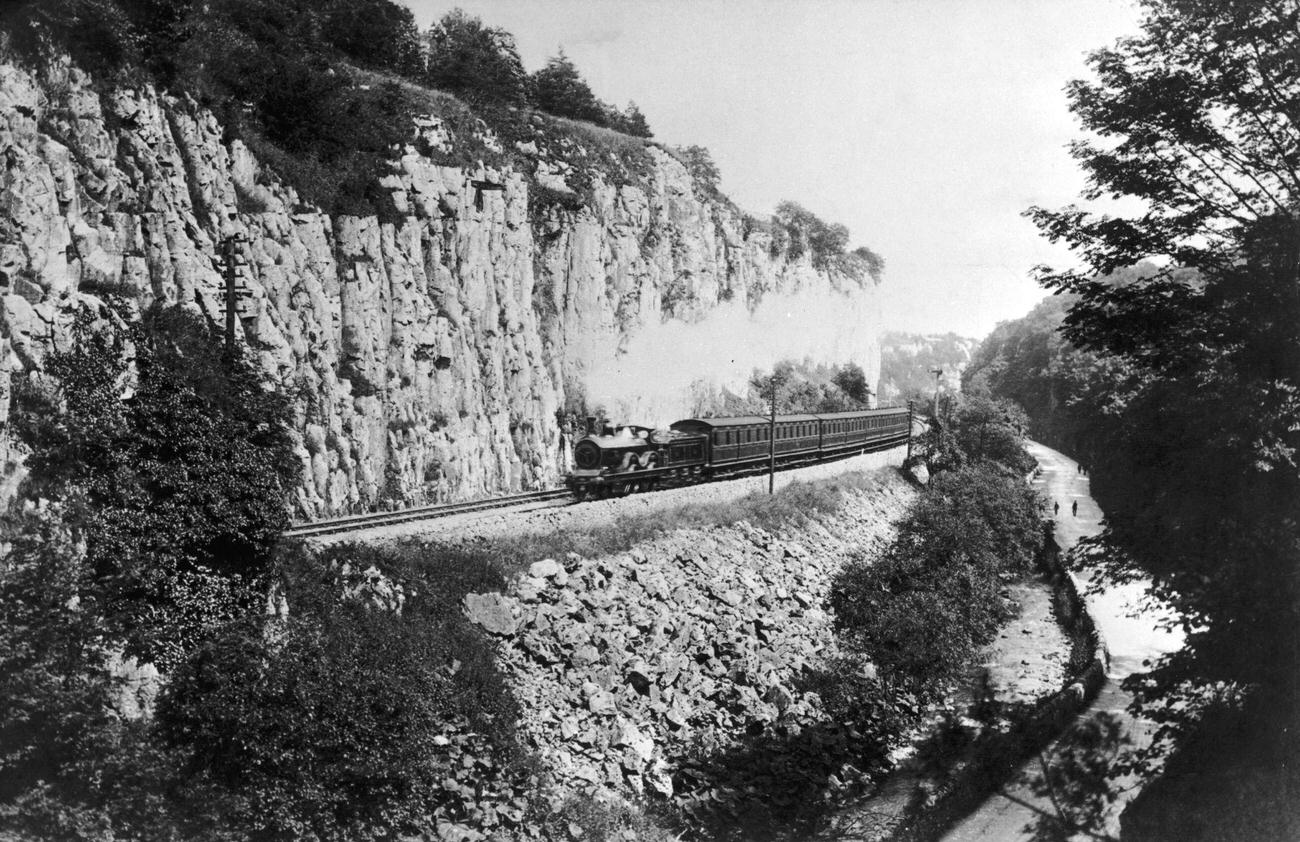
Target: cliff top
{"points": [[327, 94]]}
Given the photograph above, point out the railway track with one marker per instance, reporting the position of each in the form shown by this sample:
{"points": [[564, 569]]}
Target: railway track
{"points": [[354, 523]]}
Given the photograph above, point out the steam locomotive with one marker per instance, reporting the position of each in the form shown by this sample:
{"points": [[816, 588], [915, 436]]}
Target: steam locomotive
{"points": [[631, 459]]}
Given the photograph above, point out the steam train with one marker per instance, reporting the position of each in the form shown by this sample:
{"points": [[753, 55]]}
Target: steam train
{"points": [[631, 458]]}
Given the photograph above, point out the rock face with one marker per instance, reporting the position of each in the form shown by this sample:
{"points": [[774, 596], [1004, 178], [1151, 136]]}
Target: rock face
{"points": [[431, 355]]}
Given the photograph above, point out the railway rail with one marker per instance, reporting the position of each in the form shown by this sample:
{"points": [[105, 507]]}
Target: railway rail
{"points": [[355, 523]]}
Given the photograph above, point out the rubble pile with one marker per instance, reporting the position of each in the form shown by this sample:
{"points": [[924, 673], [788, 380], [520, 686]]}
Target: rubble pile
{"points": [[631, 667]]}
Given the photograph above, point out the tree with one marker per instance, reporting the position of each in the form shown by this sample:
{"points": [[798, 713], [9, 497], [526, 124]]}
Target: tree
{"points": [[1197, 118], [175, 473], [476, 62], [852, 381], [703, 171], [559, 89], [375, 33], [633, 122]]}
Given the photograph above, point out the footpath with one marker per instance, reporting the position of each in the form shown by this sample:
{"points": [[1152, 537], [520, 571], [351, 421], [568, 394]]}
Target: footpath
{"points": [[1132, 633]]}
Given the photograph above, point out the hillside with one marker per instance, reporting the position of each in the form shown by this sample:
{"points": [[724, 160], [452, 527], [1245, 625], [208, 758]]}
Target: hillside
{"points": [[907, 361], [435, 294]]}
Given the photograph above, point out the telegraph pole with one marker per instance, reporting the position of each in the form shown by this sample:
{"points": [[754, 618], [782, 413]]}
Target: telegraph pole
{"points": [[771, 443], [937, 372], [231, 259], [911, 413]]}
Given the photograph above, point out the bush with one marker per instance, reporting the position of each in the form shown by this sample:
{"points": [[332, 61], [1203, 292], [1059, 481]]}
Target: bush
{"points": [[98, 32], [177, 482], [350, 718], [925, 608], [973, 429], [55, 689]]}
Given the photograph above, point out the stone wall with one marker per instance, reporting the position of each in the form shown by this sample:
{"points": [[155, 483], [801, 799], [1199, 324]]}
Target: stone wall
{"points": [[429, 355]]}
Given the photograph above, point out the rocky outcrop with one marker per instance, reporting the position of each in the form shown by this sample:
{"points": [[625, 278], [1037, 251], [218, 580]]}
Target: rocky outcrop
{"points": [[431, 355]]}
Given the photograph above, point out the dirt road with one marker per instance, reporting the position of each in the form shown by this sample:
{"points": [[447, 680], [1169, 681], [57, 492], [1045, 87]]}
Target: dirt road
{"points": [[1131, 633]]}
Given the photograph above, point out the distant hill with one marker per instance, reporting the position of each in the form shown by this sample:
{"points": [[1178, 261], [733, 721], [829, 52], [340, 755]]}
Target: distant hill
{"points": [[906, 361]]}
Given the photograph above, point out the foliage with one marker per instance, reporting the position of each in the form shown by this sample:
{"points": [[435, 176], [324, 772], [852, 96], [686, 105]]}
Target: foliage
{"points": [[809, 387], [559, 89], [477, 63], [976, 429], [349, 718], [55, 688], [178, 490], [98, 32], [852, 381], [923, 610], [797, 231], [631, 121], [374, 33], [1076, 778], [1194, 457], [701, 168]]}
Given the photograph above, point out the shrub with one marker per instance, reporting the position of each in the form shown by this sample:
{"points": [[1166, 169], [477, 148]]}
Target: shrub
{"points": [[97, 32], [178, 489], [973, 429], [924, 609], [55, 689], [349, 719]]}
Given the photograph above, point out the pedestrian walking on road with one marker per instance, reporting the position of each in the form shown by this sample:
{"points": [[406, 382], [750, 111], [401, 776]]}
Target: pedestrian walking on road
{"points": [[1074, 508], [1056, 508]]}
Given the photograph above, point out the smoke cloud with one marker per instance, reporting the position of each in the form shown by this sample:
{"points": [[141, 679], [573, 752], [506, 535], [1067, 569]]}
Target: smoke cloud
{"points": [[675, 370]]}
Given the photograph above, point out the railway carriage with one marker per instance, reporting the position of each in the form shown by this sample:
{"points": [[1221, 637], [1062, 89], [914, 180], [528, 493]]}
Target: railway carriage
{"points": [[640, 458]]}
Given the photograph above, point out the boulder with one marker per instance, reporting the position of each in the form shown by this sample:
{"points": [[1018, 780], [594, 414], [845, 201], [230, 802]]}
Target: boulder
{"points": [[492, 612], [545, 569]]}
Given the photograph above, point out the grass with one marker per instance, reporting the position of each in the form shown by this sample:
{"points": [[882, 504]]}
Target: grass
{"points": [[792, 506]]}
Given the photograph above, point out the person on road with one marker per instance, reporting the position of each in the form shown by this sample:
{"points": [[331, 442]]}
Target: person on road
{"points": [[1056, 508], [1074, 508]]}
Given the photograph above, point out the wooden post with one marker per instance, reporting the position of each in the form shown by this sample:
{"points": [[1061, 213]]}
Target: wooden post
{"points": [[771, 445], [230, 295], [911, 413]]}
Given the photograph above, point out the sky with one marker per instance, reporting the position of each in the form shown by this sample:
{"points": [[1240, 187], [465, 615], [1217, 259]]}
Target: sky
{"points": [[925, 126]]}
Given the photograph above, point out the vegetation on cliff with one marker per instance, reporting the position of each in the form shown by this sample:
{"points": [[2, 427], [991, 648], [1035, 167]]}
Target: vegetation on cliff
{"points": [[1178, 386], [325, 93], [148, 530]]}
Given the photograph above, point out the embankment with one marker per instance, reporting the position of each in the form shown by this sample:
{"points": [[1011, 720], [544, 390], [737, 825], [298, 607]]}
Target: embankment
{"points": [[682, 671]]}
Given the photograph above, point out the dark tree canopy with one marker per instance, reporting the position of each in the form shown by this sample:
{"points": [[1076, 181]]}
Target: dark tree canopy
{"points": [[559, 89], [478, 63], [1199, 119], [177, 475]]}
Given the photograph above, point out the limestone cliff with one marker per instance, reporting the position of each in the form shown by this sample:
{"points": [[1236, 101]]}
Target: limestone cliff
{"points": [[431, 354]]}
